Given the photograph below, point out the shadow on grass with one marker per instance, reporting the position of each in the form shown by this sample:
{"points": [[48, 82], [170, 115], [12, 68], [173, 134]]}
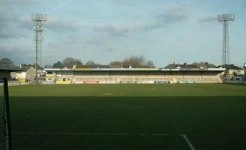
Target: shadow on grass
{"points": [[209, 122]]}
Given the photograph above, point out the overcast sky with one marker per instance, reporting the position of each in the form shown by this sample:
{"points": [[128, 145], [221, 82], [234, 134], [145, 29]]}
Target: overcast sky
{"points": [[164, 31]]}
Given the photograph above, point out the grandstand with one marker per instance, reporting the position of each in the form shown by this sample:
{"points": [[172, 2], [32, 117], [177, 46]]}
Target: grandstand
{"points": [[133, 75]]}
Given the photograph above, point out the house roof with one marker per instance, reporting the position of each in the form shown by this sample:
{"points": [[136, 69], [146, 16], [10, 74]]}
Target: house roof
{"points": [[231, 66], [25, 67], [189, 66]]}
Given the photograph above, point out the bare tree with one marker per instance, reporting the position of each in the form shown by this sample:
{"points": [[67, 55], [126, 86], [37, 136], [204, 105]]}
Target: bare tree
{"points": [[58, 64], [134, 61], [116, 64], [70, 62], [204, 64], [150, 64], [91, 63], [6, 63]]}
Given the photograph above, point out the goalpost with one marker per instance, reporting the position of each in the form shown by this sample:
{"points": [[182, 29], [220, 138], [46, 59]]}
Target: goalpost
{"points": [[5, 130]]}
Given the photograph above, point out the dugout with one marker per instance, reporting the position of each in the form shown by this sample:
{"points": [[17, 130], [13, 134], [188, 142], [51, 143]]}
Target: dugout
{"points": [[5, 72]]}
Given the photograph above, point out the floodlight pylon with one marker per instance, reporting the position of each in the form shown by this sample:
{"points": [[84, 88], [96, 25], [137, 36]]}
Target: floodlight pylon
{"points": [[224, 19], [38, 20]]}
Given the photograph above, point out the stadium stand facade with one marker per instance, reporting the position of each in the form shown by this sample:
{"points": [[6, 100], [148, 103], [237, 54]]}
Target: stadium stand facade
{"points": [[133, 75]]}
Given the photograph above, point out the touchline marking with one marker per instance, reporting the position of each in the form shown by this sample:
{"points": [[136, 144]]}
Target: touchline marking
{"points": [[188, 141]]}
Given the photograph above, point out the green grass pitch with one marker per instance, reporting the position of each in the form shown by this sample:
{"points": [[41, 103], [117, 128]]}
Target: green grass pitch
{"points": [[212, 116]]}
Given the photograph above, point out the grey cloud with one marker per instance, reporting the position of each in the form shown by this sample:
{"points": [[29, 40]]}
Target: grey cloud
{"points": [[174, 15], [114, 30], [208, 19], [4, 24], [62, 25], [94, 40], [16, 54], [26, 23], [11, 26], [111, 49], [21, 2], [171, 16], [12, 33], [157, 25], [5, 17], [6, 35]]}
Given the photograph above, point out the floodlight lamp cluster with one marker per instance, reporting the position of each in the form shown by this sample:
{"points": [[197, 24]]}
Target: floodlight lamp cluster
{"points": [[38, 20], [225, 17], [39, 17]]}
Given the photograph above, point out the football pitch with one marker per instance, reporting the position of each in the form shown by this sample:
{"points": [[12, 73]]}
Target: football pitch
{"points": [[95, 117]]}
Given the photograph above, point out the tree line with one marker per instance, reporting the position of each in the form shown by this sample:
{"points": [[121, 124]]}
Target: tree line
{"points": [[6, 63], [134, 61], [70, 62]]}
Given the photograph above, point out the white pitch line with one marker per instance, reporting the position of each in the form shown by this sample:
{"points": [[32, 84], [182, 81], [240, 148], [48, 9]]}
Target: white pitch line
{"points": [[188, 141]]}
